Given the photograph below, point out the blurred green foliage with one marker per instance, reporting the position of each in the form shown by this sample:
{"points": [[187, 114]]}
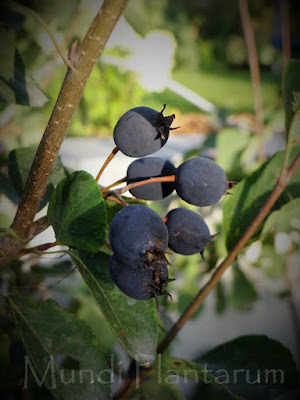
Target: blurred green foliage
{"points": [[210, 58]]}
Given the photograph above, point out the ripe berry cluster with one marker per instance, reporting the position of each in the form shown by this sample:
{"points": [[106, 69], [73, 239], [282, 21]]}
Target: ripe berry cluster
{"points": [[138, 236]]}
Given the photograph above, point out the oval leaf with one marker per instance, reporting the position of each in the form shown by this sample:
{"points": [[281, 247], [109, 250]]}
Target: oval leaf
{"points": [[253, 367], [77, 212], [250, 194], [132, 321], [51, 336]]}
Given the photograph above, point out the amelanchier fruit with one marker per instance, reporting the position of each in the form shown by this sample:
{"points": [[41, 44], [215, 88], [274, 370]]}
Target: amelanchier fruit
{"points": [[188, 232], [150, 167], [142, 131]]}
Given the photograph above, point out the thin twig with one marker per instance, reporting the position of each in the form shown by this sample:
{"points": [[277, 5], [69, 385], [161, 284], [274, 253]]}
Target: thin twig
{"points": [[169, 178], [122, 180], [38, 249], [39, 226], [107, 161], [29, 11], [114, 199], [107, 244], [255, 74], [117, 195]]}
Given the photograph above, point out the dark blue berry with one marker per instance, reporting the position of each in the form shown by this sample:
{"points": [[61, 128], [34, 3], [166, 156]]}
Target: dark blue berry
{"points": [[188, 232], [138, 234], [137, 281], [151, 167], [200, 181], [142, 131]]}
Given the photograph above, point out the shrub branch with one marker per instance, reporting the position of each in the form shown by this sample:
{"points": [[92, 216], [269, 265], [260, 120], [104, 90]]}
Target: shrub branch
{"points": [[69, 97]]}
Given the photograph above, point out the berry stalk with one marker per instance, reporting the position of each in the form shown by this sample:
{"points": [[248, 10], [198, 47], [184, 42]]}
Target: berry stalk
{"points": [[107, 161], [122, 180], [169, 178]]}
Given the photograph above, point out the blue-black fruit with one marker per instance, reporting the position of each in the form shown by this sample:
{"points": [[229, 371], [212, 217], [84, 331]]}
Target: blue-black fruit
{"points": [[200, 181], [151, 167], [142, 131], [188, 232], [138, 234], [137, 281]]}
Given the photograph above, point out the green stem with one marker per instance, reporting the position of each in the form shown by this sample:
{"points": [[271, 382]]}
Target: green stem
{"points": [[169, 178]]}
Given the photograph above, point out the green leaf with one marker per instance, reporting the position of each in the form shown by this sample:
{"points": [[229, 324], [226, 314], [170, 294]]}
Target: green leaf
{"points": [[291, 92], [243, 292], [253, 367], [77, 212], [52, 337], [19, 164], [285, 219], [167, 367], [231, 143], [249, 195], [16, 86], [221, 302], [132, 321]]}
